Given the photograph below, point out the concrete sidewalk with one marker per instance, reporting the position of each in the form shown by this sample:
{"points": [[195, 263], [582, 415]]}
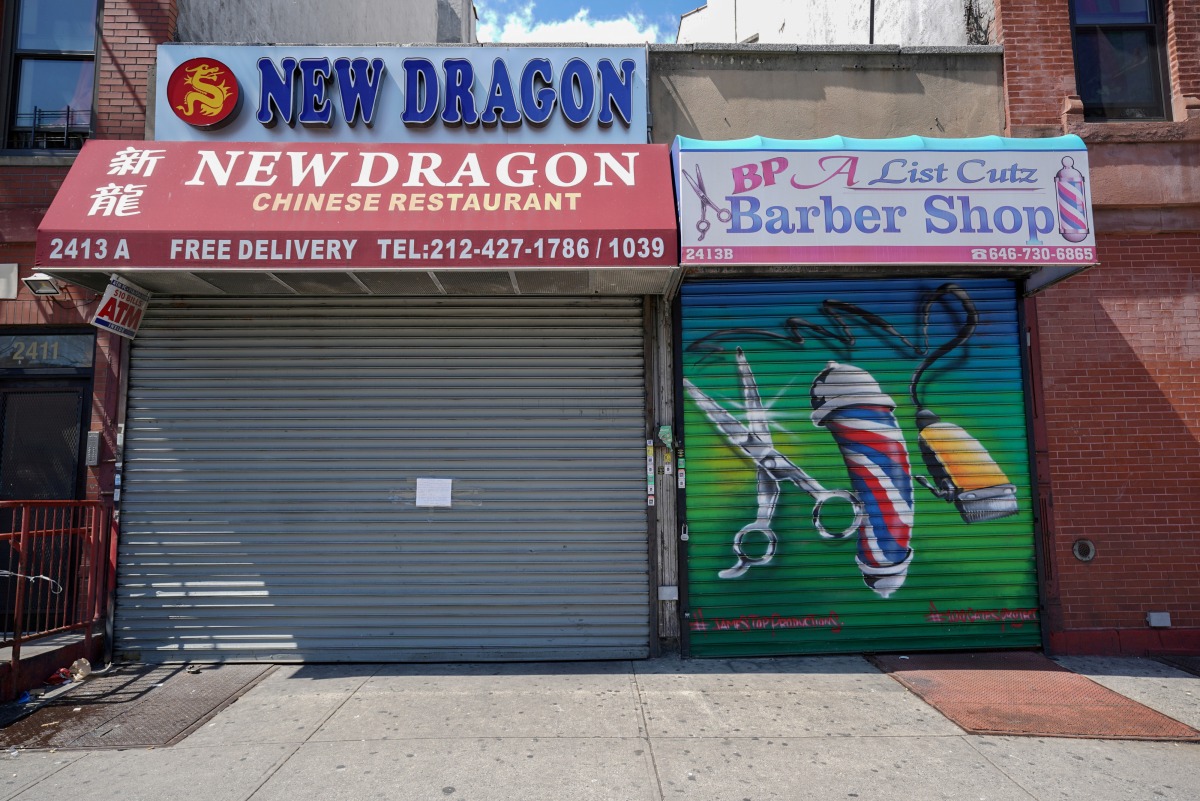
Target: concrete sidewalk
{"points": [[699, 730]]}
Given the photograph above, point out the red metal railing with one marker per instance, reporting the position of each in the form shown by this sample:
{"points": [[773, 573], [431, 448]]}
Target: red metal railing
{"points": [[53, 571]]}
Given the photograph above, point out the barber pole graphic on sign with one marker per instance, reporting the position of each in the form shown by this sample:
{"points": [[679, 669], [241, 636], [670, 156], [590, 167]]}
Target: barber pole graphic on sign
{"points": [[122, 307]]}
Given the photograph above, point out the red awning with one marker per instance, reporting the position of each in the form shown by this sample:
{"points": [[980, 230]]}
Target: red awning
{"points": [[195, 207]]}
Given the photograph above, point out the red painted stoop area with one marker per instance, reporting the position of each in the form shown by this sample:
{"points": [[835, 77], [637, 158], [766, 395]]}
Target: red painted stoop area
{"points": [[1024, 693]]}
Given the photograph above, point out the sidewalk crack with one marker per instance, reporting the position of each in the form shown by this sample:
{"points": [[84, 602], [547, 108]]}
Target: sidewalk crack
{"points": [[971, 739], [296, 748], [644, 725]]}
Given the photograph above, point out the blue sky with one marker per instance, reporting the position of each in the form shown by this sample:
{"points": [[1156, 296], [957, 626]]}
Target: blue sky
{"points": [[611, 22]]}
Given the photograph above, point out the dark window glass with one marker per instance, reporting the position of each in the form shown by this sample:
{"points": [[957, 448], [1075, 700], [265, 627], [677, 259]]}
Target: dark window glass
{"points": [[1118, 72], [1119, 66], [1107, 12], [57, 25], [53, 87], [39, 454], [50, 72]]}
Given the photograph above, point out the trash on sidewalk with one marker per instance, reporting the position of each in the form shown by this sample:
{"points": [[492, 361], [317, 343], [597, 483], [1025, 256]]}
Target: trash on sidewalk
{"points": [[81, 669], [60, 676]]}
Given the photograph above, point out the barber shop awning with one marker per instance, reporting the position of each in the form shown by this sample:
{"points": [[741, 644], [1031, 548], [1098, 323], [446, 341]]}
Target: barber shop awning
{"points": [[340, 218], [1018, 208]]}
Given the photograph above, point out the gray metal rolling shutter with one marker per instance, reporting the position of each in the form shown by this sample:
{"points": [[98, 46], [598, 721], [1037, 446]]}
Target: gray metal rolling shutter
{"points": [[272, 454]]}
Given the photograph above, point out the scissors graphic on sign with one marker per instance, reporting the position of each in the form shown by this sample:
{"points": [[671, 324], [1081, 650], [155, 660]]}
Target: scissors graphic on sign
{"points": [[754, 440], [697, 184]]}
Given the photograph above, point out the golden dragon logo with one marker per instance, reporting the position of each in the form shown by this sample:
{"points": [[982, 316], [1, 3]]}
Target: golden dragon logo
{"points": [[205, 91]]}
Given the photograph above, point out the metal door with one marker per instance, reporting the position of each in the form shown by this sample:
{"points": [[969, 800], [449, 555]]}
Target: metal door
{"points": [[40, 442], [857, 467], [40, 437], [315, 479]]}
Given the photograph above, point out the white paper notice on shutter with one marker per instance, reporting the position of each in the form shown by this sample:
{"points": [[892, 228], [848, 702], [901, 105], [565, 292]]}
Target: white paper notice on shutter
{"points": [[434, 491]]}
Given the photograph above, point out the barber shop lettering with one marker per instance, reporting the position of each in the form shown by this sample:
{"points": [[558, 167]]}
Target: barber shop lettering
{"points": [[944, 213], [316, 91]]}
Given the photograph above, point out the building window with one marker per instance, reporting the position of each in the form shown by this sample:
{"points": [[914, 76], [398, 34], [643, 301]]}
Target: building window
{"points": [[51, 56], [1120, 58]]}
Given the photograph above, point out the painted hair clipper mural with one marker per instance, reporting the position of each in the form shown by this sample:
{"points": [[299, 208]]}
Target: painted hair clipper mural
{"points": [[796, 384]]}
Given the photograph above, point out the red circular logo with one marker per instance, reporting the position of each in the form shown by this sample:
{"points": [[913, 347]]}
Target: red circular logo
{"points": [[203, 92]]}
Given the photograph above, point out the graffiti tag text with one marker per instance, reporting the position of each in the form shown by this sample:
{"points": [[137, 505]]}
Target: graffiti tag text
{"points": [[766, 622], [1005, 617]]}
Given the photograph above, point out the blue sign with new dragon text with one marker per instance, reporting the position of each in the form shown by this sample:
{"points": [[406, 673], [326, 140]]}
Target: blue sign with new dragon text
{"points": [[398, 94]]}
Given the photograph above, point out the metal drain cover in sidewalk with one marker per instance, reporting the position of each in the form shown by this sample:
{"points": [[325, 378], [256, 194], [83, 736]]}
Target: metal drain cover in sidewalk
{"points": [[1022, 693], [132, 705]]}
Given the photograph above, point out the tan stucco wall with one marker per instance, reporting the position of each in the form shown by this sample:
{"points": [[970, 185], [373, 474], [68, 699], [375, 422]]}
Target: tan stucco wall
{"points": [[807, 92]]}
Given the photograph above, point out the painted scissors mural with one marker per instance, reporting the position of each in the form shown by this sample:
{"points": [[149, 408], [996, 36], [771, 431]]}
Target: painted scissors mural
{"points": [[754, 440]]}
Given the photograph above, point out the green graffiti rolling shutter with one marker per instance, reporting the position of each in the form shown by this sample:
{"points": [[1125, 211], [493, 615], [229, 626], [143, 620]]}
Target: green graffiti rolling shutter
{"points": [[946, 566]]}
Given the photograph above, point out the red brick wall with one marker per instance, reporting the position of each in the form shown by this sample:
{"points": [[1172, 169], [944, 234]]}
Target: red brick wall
{"points": [[1120, 360], [25, 194], [1183, 46], [30, 185], [1117, 423], [131, 31], [1039, 65]]}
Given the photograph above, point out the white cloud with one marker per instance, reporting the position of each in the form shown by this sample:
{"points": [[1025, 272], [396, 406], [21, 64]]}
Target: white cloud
{"points": [[519, 26]]}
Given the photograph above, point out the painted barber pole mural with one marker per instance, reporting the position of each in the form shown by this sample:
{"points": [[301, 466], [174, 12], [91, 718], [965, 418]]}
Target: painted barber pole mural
{"points": [[858, 475], [847, 401]]}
